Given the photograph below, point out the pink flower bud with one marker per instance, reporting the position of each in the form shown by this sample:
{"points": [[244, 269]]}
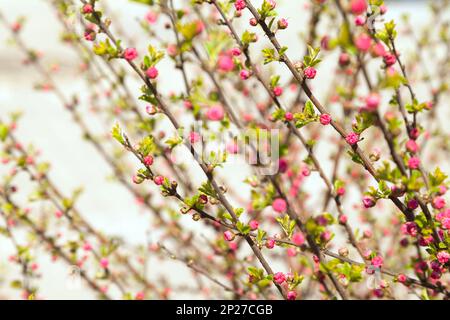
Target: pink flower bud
{"points": [[87, 8], [228, 235], [159, 180], [298, 238], [270, 243], [413, 163], [130, 54], [254, 224], [282, 24], [148, 160], [325, 119], [152, 72], [279, 277], [310, 73], [277, 91], [352, 138], [292, 295]]}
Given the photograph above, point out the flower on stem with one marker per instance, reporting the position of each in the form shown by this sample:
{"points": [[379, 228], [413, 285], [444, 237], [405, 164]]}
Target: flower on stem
{"points": [[152, 72], [282, 24], [277, 91], [413, 163], [244, 74], [368, 202], [228, 235], [310, 73], [148, 160], [279, 277], [253, 224], [352, 138], [87, 8], [130, 54], [159, 180], [240, 5], [325, 119], [389, 59], [292, 295], [298, 238]]}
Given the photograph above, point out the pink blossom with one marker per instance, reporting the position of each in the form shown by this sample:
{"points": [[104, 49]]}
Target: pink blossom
{"points": [[288, 116], [443, 257], [291, 252], [344, 59], [87, 246], [59, 213], [244, 74], [152, 72], [140, 295], [270, 243], [343, 219], [159, 180], [377, 261], [292, 295], [236, 52], [87, 8], [279, 277], [401, 278], [372, 101], [389, 59], [438, 203], [130, 54], [325, 119], [352, 138], [279, 205], [310, 73], [358, 7], [194, 137], [228, 235], [148, 160], [282, 24], [277, 91], [363, 42], [104, 263], [378, 49], [410, 228], [298, 238], [413, 163], [225, 63], [360, 21], [151, 17], [253, 224], [215, 113], [240, 5], [412, 146], [368, 202]]}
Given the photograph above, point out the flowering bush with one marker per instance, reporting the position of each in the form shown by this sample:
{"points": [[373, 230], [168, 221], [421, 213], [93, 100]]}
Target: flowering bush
{"points": [[257, 176]]}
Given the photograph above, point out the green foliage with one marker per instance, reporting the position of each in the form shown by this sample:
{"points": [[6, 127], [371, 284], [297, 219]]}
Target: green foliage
{"points": [[364, 120], [307, 116], [153, 57], [287, 225], [311, 59], [117, 134]]}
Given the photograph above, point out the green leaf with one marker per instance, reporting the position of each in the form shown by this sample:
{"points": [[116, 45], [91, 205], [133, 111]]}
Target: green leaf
{"points": [[118, 134]]}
